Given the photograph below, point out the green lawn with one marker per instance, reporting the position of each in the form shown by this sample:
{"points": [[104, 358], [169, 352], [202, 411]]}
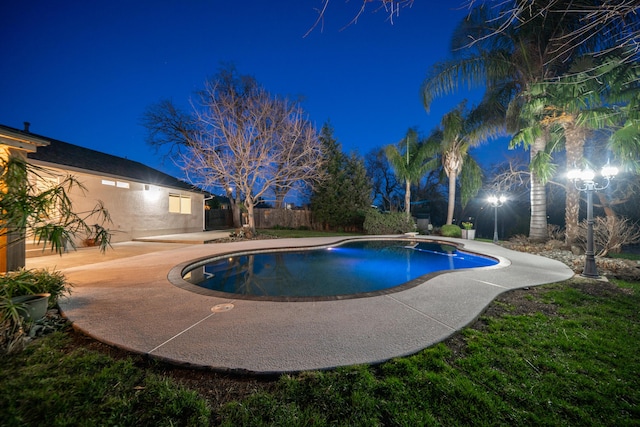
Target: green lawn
{"points": [[562, 354], [624, 255], [285, 233]]}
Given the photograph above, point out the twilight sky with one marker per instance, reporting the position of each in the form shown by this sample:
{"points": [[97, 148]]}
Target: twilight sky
{"points": [[85, 71]]}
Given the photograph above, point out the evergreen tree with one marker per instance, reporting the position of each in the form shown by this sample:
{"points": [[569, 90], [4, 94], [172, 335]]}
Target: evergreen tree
{"points": [[341, 200]]}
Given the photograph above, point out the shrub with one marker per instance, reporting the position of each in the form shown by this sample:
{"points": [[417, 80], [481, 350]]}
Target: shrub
{"points": [[388, 223], [610, 233], [26, 282], [555, 232], [13, 326], [451, 230]]}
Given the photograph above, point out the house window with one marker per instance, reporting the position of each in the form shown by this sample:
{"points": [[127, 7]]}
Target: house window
{"points": [[118, 184], [179, 204]]}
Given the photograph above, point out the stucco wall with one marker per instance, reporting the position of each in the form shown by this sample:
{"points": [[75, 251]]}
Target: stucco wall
{"points": [[138, 211]]}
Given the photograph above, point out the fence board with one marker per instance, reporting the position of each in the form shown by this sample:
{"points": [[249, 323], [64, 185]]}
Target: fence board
{"points": [[286, 218]]}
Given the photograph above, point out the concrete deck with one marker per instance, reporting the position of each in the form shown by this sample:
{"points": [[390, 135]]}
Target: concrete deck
{"points": [[124, 298]]}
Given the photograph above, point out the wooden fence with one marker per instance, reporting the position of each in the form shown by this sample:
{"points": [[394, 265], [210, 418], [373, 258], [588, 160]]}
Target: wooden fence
{"points": [[218, 218], [270, 218]]}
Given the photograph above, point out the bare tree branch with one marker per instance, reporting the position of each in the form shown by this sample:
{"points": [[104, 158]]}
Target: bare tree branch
{"points": [[616, 22], [391, 7]]}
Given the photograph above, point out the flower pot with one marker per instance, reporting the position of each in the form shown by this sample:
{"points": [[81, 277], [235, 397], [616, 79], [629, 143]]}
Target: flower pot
{"points": [[469, 234], [36, 305]]}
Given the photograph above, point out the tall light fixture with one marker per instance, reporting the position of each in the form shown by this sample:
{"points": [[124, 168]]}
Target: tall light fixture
{"points": [[496, 202], [584, 180]]}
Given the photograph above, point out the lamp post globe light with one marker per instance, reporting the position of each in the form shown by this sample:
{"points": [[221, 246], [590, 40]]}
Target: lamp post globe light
{"points": [[584, 180], [496, 202]]}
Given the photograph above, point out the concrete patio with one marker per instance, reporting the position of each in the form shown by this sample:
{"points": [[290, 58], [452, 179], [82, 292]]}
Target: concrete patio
{"points": [[125, 299]]}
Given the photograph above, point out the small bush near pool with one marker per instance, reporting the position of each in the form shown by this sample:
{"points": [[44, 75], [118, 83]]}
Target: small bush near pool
{"points": [[388, 223], [451, 230]]}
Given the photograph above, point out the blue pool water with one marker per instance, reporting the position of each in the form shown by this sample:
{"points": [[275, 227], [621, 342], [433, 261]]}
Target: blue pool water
{"points": [[352, 268]]}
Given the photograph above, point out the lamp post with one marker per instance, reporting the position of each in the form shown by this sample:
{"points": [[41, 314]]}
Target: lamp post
{"points": [[584, 180], [496, 202]]}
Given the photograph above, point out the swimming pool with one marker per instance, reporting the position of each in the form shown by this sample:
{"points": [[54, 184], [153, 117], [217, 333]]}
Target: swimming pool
{"points": [[353, 269]]}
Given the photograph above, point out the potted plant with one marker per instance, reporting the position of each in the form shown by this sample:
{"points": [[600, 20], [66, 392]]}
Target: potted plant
{"points": [[17, 285], [29, 209], [25, 297], [467, 230]]}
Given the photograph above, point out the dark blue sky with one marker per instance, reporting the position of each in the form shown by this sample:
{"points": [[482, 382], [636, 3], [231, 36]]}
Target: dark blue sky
{"points": [[85, 71]]}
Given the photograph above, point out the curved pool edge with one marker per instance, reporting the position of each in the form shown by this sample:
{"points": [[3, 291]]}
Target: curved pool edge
{"points": [[176, 274], [130, 303]]}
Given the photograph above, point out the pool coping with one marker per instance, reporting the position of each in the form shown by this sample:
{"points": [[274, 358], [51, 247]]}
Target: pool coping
{"points": [[130, 303]]}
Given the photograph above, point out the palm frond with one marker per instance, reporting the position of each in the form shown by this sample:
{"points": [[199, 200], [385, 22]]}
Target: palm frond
{"points": [[445, 77], [543, 166], [471, 177]]}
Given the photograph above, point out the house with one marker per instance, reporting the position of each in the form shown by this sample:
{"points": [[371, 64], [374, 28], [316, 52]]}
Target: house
{"points": [[15, 143], [141, 201]]}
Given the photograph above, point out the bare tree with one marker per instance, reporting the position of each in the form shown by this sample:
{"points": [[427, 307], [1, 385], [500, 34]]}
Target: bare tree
{"points": [[239, 137], [386, 186]]}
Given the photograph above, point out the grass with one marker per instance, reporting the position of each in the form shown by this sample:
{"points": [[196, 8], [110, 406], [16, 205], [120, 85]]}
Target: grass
{"points": [[625, 255], [578, 366], [48, 383], [290, 233], [562, 354]]}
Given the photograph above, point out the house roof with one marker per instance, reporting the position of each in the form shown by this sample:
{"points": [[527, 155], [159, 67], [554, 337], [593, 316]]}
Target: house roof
{"points": [[73, 156], [21, 140]]}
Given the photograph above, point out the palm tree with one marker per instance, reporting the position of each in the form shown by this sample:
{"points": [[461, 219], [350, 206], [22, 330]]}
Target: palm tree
{"points": [[409, 165], [575, 105], [507, 62], [624, 82], [459, 132]]}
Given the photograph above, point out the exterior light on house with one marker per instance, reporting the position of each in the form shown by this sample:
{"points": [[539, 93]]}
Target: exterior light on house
{"points": [[151, 194]]}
